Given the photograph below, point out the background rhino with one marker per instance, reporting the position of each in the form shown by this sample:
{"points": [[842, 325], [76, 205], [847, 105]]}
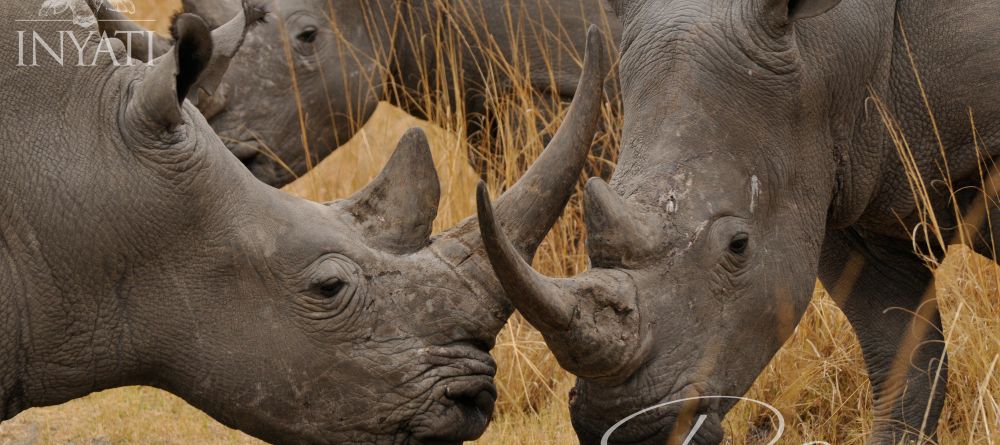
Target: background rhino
{"points": [[757, 158], [320, 68], [136, 250]]}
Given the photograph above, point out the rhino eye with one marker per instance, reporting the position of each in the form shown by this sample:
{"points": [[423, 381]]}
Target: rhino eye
{"points": [[738, 245], [308, 35], [331, 288]]}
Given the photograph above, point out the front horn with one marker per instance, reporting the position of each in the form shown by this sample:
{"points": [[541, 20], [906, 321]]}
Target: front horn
{"points": [[599, 336], [533, 205]]}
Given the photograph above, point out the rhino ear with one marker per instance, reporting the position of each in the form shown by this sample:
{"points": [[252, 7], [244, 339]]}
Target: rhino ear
{"points": [[227, 40], [804, 9], [215, 12], [144, 45], [158, 98], [397, 210]]}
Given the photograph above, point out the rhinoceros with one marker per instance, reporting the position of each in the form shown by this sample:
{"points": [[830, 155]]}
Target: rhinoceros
{"points": [[320, 68], [757, 158], [135, 249]]}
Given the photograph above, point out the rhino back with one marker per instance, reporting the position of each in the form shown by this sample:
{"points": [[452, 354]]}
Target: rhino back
{"points": [[544, 37], [942, 56], [955, 48], [548, 35]]}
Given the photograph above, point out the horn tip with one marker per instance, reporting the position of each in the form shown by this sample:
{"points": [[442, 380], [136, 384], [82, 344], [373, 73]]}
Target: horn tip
{"points": [[595, 183], [493, 237], [597, 197], [482, 191], [596, 189], [484, 206], [593, 33], [415, 147], [595, 48], [416, 133]]}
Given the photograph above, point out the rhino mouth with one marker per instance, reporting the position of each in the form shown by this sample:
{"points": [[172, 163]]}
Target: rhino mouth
{"points": [[478, 392], [472, 401], [464, 400]]}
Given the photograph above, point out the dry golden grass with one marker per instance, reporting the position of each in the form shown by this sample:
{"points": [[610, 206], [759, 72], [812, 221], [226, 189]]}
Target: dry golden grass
{"points": [[817, 380]]}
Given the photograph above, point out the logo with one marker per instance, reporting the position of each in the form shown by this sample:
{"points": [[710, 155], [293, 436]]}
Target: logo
{"points": [[62, 45], [82, 15], [701, 419]]}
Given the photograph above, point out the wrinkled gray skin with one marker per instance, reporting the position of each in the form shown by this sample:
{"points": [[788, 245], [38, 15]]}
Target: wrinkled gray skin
{"points": [[344, 53], [754, 162], [136, 250]]}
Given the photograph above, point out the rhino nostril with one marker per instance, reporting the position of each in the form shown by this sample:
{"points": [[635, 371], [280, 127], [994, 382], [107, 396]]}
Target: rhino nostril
{"points": [[484, 401], [481, 345], [479, 394]]}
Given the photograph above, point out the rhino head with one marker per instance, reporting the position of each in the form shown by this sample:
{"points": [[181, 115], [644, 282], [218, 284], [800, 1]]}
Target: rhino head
{"points": [[166, 263], [318, 67], [704, 247], [302, 84]]}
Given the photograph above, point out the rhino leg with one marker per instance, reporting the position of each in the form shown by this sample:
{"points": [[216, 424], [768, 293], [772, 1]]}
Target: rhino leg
{"points": [[986, 243], [887, 294], [981, 214]]}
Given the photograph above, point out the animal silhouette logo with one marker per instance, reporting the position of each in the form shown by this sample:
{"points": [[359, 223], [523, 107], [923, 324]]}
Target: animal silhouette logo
{"points": [[82, 14]]}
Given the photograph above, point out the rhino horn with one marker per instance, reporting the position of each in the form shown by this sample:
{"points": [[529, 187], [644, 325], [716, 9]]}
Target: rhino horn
{"points": [[616, 234], [144, 44], [526, 212], [597, 336], [533, 205], [158, 97], [542, 303], [228, 39], [396, 211]]}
